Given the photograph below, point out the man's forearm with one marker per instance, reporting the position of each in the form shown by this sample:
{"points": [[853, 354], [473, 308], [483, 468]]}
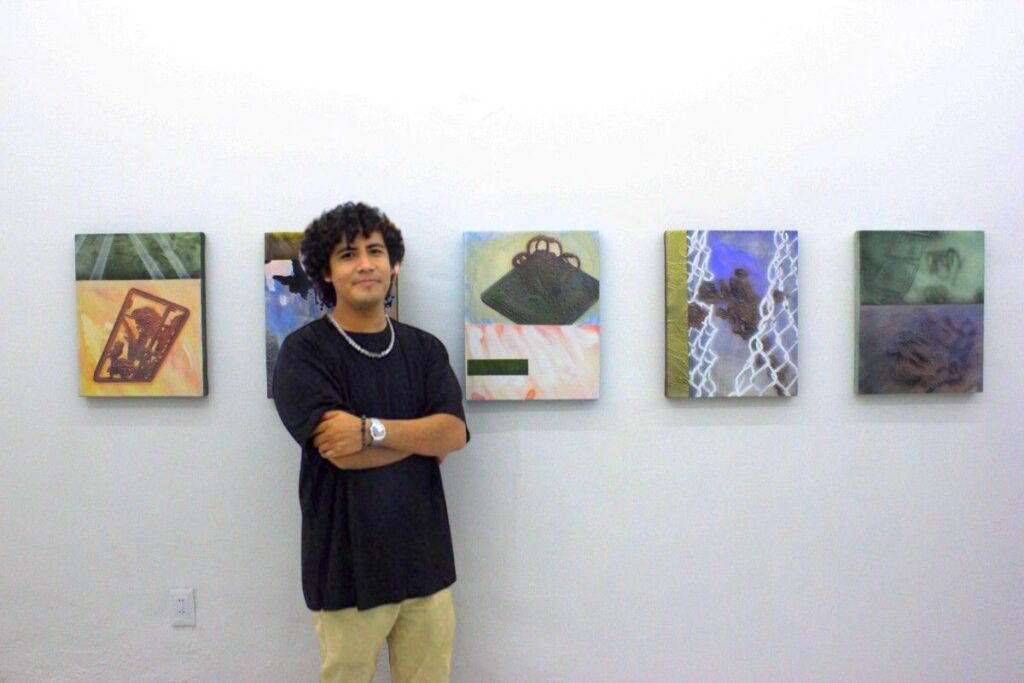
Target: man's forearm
{"points": [[437, 435], [342, 435]]}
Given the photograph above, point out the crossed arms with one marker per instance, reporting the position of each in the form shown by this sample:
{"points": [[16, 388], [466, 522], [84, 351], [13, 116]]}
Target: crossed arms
{"points": [[339, 437]]}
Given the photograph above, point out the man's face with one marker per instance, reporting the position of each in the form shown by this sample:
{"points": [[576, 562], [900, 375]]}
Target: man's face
{"points": [[360, 272]]}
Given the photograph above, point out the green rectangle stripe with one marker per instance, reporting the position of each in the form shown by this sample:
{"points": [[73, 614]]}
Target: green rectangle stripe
{"points": [[139, 256], [498, 366]]}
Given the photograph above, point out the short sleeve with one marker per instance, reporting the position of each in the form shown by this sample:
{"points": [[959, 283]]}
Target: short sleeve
{"points": [[444, 394], [303, 387]]}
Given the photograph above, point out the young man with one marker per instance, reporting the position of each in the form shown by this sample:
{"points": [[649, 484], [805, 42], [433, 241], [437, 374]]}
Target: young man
{"points": [[376, 408]]}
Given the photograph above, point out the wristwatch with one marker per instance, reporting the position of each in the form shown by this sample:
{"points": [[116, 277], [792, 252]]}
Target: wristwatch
{"points": [[377, 431]]}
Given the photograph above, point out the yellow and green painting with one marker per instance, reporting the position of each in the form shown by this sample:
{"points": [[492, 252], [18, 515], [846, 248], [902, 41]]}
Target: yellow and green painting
{"points": [[920, 311], [731, 313], [141, 321], [533, 324]]}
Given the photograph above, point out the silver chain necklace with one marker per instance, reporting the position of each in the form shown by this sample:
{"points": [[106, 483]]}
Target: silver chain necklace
{"points": [[360, 349]]}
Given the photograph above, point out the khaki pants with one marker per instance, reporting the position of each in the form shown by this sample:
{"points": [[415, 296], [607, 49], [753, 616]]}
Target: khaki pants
{"points": [[419, 631]]}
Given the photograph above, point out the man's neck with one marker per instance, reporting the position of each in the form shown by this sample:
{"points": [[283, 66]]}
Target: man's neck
{"points": [[353, 320]]}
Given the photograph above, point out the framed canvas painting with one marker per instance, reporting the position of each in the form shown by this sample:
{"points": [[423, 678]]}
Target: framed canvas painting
{"points": [[920, 311], [289, 300], [731, 313], [532, 315], [141, 318]]}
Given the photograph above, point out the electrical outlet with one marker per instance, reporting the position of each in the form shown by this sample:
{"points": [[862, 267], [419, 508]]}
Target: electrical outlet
{"points": [[183, 606]]}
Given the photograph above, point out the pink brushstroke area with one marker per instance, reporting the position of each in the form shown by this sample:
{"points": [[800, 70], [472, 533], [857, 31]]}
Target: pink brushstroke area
{"points": [[564, 361]]}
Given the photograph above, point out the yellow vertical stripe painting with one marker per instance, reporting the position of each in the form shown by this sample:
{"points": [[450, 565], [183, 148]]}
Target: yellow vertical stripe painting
{"points": [[731, 302]]}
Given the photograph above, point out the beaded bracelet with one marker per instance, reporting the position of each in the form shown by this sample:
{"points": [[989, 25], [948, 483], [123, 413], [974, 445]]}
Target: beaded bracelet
{"points": [[362, 432]]}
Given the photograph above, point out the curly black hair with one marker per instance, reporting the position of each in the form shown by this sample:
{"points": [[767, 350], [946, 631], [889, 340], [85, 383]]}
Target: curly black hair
{"points": [[344, 222]]}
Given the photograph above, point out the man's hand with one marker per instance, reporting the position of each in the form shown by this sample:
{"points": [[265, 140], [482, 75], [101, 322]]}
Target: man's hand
{"points": [[338, 435], [339, 439]]}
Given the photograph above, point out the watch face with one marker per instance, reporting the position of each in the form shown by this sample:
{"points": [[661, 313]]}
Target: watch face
{"points": [[377, 430]]}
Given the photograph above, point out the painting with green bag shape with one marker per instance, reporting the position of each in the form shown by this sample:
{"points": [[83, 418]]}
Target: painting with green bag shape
{"points": [[532, 315]]}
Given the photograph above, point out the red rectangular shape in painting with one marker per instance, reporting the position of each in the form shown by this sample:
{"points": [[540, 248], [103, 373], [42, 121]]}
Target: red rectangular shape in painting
{"points": [[145, 330]]}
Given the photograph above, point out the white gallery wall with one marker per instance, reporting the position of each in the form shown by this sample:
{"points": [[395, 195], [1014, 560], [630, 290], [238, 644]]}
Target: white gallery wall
{"points": [[827, 537]]}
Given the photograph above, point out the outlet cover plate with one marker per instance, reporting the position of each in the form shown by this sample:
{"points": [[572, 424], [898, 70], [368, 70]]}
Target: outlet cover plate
{"points": [[182, 606]]}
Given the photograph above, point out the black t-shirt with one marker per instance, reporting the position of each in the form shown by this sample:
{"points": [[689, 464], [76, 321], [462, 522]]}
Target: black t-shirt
{"points": [[374, 536]]}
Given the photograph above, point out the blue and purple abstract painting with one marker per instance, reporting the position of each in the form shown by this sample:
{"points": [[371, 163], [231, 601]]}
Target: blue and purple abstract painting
{"points": [[288, 296], [731, 304]]}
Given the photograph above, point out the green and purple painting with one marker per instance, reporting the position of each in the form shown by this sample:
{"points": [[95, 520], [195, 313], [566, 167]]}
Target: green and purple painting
{"points": [[920, 300], [731, 303]]}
